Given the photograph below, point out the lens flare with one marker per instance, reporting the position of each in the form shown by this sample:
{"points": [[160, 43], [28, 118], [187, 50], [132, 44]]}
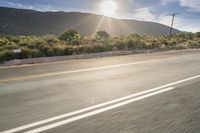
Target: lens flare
{"points": [[108, 8]]}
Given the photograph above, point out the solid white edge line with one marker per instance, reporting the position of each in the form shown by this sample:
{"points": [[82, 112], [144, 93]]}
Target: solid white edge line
{"points": [[95, 106], [60, 123]]}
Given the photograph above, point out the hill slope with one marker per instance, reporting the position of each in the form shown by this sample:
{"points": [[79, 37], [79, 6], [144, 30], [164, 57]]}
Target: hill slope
{"points": [[29, 22]]}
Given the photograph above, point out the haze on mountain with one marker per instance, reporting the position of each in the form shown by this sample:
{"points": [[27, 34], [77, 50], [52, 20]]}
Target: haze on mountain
{"points": [[30, 22]]}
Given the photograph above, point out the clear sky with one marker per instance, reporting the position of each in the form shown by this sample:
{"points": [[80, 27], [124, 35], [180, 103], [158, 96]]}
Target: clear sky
{"points": [[147, 10]]}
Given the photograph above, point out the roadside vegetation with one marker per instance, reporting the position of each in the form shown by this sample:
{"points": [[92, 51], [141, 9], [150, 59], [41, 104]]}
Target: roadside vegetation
{"points": [[71, 42]]}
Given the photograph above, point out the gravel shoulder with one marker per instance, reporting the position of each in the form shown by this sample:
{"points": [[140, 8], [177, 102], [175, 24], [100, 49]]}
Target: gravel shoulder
{"points": [[41, 60]]}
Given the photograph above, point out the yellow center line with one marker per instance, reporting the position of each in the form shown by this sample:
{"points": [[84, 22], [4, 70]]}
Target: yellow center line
{"points": [[26, 77], [70, 72]]}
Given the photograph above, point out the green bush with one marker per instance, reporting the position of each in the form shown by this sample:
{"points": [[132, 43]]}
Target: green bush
{"points": [[59, 51], [29, 53], [51, 39], [69, 50], [70, 36], [102, 35], [6, 55], [120, 45]]}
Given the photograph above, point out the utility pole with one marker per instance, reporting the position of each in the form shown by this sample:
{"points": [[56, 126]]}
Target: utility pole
{"points": [[172, 24]]}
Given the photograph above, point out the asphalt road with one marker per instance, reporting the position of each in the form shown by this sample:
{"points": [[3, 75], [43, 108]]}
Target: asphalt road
{"points": [[150, 93]]}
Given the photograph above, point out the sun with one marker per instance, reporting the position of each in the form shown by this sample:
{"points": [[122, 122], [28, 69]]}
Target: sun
{"points": [[108, 8]]}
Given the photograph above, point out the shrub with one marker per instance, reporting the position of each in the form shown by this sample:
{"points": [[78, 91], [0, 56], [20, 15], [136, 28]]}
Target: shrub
{"points": [[198, 34], [180, 46], [102, 35], [70, 42], [47, 50], [120, 45], [6, 55], [69, 50], [58, 50], [29, 53], [70, 36], [50, 39]]}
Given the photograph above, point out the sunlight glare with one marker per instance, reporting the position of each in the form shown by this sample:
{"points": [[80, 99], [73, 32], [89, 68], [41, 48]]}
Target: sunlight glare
{"points": [[108, 8]]}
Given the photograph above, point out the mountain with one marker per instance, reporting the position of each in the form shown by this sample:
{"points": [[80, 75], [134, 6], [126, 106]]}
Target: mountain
{"points": [[30, 22]]}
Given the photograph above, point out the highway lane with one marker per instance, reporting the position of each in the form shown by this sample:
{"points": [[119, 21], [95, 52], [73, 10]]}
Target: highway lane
{"points": [[86, 63], [31, 100], [176, 111]]}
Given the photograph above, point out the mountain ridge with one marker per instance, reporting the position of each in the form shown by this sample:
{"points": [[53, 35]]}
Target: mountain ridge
{"points": [[30, 22]]}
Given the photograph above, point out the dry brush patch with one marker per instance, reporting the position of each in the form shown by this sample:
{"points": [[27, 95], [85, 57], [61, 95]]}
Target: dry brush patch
{"points": [[71, 42]]}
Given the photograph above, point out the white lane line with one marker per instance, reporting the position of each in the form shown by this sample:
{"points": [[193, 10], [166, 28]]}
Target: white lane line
{"points": [[96, 106], [92, 113]]}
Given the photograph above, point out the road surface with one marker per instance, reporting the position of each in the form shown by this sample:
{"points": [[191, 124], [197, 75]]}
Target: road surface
{"points": [[148, 93]]}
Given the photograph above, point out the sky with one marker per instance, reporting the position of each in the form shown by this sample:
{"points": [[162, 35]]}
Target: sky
{"points": [[188, 18]]}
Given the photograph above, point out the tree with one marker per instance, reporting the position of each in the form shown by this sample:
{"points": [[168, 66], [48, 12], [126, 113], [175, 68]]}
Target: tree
{"points": [[102, 35], [70, 36]]}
